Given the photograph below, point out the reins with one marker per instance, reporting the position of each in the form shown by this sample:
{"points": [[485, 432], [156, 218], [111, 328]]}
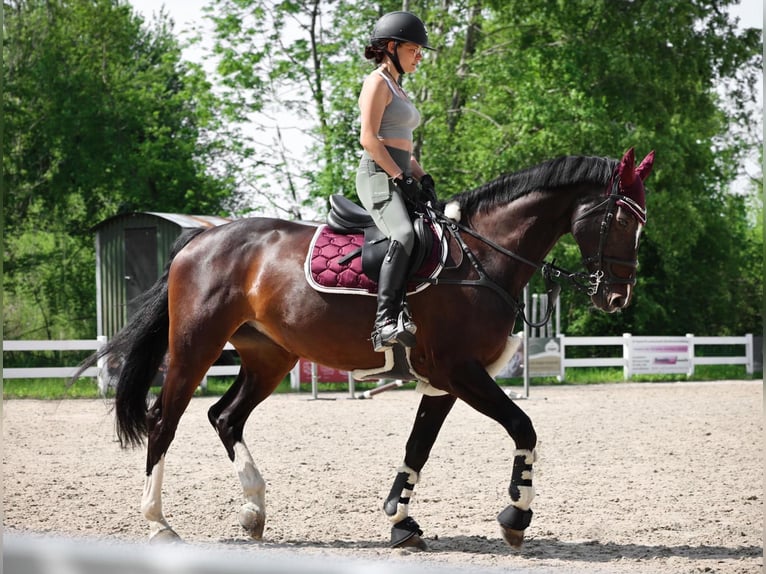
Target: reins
{"points": [[550, 271], [554, 276]]}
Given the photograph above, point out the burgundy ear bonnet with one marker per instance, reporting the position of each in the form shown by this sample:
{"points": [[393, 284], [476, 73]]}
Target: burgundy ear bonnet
{"points": [[632, 183]]}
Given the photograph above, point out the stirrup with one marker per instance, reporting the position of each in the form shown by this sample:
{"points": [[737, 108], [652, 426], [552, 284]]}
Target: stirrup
{"points": [[405, 322], [401, 331], [385, 336]]}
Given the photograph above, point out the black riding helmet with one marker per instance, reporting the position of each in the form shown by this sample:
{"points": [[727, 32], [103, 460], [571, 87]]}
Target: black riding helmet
{"points": [[400, 27]]}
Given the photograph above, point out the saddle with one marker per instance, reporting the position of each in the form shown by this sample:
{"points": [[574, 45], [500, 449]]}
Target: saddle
{"points": [[346, 254]]}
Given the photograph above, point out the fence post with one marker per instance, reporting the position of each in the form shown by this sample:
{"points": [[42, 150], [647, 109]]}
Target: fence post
{"points": [[749, 369], [562, 342], [527, 331], [690, 371], [314, 381], [102, 377], [627, 356], [295, 377]]}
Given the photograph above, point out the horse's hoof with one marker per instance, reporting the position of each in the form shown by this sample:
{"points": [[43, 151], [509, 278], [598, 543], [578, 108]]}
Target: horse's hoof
{"points": [[514, 538], [513, 521], [406, 534], [165, 536], [414, 542], [252, 519]]}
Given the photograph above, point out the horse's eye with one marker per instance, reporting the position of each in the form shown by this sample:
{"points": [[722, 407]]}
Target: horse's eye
{"points": [[623, 221]]}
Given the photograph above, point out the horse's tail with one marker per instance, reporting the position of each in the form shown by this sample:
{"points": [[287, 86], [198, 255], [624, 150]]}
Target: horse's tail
{"points": [[138, 350]]}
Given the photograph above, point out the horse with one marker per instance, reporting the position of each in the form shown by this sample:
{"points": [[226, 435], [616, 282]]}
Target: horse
{"points": [[245, 283]]}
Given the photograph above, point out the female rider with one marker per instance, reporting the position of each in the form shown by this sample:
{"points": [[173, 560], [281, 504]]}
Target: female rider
{"points": [[388, 172]]}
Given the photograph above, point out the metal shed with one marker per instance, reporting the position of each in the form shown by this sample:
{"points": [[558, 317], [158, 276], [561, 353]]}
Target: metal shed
{"points": [[131, 252]]}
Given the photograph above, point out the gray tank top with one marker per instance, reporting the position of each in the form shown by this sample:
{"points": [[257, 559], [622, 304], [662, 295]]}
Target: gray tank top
{"points": [[400, 117]]}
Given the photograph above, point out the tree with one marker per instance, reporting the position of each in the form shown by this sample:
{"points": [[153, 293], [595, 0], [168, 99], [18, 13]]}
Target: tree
{"points": [[289, 75], [101, 116], [514, 83]]}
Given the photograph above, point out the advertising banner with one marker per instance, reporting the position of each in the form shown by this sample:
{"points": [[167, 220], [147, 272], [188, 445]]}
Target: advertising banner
{"points": [[660, 355], [324, 374]]}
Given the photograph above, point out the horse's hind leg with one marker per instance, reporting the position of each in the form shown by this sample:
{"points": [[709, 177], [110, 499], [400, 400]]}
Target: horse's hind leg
{"points": [[263, 368], [432, 412], [162, 421]]}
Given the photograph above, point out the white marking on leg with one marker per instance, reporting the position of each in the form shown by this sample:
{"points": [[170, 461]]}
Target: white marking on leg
{"points": [[403, 505], [252, 514], [151, 502], [253, 485], [526, 493]]}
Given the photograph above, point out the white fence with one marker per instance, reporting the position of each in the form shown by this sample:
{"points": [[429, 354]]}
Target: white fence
{"points": [[669, 353], [646, 355], [83, 345]]}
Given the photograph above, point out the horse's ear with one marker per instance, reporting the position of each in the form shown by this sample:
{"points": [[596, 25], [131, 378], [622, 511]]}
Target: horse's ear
{"points": [[645, 168], [626, 167]]}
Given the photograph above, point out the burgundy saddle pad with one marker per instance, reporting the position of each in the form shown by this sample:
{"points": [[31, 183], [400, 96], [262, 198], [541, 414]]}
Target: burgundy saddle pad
{"points": [[326, 272]]}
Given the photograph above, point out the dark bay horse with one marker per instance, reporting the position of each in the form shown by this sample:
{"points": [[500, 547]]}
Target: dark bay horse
{"points": [[244, 282]]}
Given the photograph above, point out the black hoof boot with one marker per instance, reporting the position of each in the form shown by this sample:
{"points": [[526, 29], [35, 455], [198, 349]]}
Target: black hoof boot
{"points": [[407, 534], [513, 521]]}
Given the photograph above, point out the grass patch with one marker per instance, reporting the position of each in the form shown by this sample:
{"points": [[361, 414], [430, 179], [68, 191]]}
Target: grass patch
{"points": [[87, 388], [602, 375], [49, 389]]}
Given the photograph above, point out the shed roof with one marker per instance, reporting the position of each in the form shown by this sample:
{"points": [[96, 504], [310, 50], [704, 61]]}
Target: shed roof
{"points": [[182, 220]]}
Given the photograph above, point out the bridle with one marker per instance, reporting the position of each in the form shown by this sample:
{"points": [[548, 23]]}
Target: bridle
{"points": [[603, 274], [555, 277]]}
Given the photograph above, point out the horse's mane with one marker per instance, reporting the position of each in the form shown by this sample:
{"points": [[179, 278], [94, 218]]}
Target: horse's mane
{"points": [[559, 173]]}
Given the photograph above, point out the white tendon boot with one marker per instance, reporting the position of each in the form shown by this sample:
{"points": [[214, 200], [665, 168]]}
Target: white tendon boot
{"points": [[517, 516]]}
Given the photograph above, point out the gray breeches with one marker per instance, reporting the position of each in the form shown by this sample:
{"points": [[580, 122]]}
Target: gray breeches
{"points": [[383, 199]]}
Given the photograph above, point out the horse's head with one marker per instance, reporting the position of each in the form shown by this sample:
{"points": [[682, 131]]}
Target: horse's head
{"points": [[607, 230]]}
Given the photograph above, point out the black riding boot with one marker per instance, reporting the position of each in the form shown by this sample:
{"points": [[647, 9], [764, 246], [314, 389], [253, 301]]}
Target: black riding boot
{"points": [[391, 325]]}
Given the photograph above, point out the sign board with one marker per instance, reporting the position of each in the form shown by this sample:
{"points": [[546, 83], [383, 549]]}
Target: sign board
{"points": [[545, 359], [660, 355]]}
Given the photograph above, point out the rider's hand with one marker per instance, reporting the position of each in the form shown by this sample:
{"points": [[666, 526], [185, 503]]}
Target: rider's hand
{"points": [[427, 190], [409, 186]]}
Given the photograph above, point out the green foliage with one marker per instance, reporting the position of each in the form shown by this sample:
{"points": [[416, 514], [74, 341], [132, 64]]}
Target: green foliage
{"points": [[517, 82], [513, 83], [101, 116]]}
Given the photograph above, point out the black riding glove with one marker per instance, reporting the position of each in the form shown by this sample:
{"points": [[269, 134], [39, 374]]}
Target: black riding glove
{"points": [[409, 186], [427, 190]]}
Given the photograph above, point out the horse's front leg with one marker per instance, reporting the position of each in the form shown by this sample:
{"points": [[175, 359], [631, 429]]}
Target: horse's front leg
{"points": [[471, 383], [405, 532]]}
